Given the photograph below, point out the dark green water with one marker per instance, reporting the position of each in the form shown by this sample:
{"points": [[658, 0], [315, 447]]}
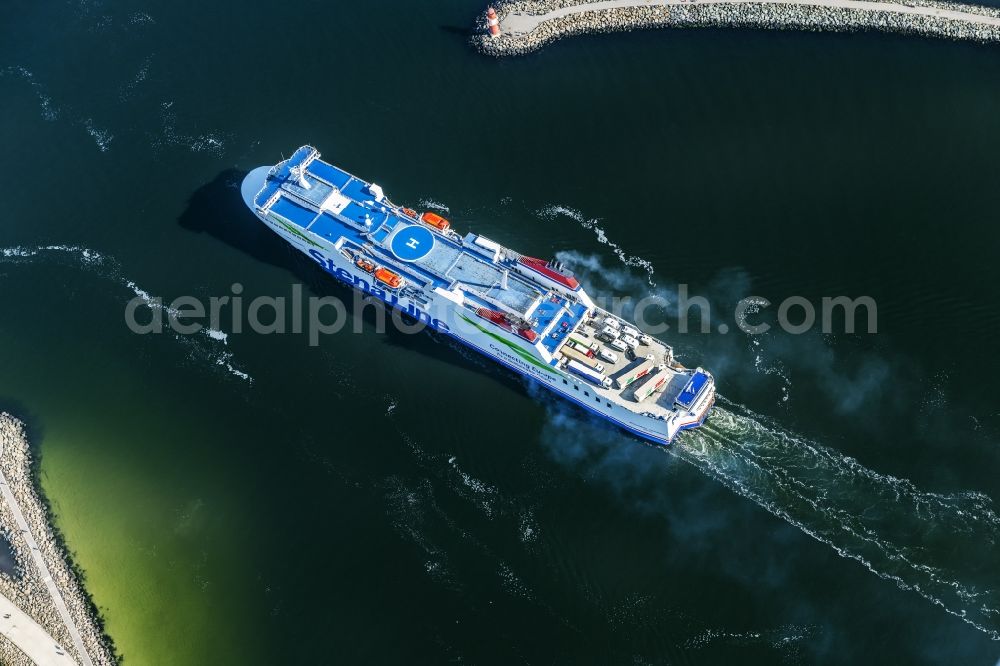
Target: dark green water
{"points": [[386, 498]]}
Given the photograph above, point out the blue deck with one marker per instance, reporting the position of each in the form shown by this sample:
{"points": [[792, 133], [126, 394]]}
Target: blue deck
{"points": [[692, 390], [546, 311], [565, 314], [358, 190], [328, 227], [293, 212], [358, 214], [270, 187], [330, 174], [363, 220]]}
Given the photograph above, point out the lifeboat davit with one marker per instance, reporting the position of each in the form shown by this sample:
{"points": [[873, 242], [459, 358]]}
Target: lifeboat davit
{"points": [[385, 276], [435, 220]]}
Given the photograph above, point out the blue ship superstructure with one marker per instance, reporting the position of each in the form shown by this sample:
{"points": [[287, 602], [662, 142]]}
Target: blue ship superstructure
{"points": [[529, 314]]}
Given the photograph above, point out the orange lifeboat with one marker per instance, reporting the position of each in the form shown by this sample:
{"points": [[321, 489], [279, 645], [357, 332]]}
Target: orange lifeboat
{"points": [[435, 220], [409, 212], [386, 276], [367, 265]]}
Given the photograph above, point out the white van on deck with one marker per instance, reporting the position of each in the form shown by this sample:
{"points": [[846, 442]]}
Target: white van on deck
{"points": [[609, 333], [607, 355]]}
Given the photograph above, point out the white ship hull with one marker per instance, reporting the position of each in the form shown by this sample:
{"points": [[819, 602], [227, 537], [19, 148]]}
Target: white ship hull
{"points": [[439, 310]]}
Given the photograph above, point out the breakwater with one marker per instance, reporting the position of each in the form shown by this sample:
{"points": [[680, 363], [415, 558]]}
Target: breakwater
{"points": [[527, 25], [45, 587]]}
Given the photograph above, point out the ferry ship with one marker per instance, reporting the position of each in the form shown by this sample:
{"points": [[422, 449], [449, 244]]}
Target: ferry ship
{"points": [[530, 315]]}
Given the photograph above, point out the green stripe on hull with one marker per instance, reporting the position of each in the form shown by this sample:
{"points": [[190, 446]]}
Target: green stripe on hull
{"points": [[525, 355], [292, 230]]}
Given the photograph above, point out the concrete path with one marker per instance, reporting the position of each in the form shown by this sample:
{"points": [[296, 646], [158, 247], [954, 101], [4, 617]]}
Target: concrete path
{"points": [[29, 637], [43, 572], [518, 23]]}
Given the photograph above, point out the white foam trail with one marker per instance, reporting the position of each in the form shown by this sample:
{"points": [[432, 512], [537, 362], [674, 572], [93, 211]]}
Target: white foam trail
{"points": [[109, 268], [776, 368], [483, 493], [555, 211], [885, 523], [528, 529], [476, 491], [512, 584], [126, 91], [233, 370], [19, 252], [783, 638], [140, 18], [940, 546], [49, 111], [435, 205], [413, 512], [217, 335], [206, 142], [101, 137]]}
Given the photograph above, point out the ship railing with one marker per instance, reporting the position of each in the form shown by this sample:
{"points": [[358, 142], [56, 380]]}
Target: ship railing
{"points": [[273, 199], [298, 198], [304, 162], [324, 181]]}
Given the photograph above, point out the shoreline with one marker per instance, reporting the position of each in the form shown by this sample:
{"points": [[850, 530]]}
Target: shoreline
{"points": [[528, 25], [60, 604]]}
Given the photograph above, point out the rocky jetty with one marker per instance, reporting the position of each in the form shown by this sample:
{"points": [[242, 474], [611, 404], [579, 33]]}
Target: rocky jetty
{"points": [[27, 589], [11, 656], [919, 17]]}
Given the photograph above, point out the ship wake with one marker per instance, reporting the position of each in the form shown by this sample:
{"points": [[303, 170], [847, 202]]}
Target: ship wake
{"points": [[940, 546], [208, 346]]}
